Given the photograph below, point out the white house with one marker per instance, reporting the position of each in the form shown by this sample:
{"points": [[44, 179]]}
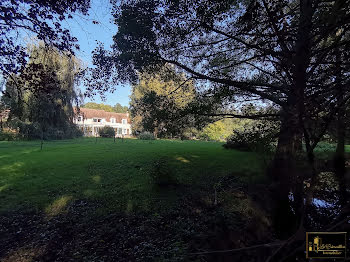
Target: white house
{"points": [[91, 120]]}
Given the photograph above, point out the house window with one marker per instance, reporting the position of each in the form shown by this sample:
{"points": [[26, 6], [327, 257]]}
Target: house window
{"points": [[119, 131], [99, 120], [112, 120], [124, 131], [124, 121], [80, 118]]}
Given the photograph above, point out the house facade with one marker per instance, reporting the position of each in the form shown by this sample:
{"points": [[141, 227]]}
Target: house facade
{"points": [[90, 121]]}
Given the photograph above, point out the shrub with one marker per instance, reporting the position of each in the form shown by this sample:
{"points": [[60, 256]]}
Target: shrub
{"points": [[146, 136], [8, 136], [251, 139], [107, 131], [161, 174], [73, 132], [27, 130], [214, 132]]}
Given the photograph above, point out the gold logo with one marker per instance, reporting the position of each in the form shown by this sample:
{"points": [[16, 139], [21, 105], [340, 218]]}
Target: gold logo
{"points": [[325, 244]]}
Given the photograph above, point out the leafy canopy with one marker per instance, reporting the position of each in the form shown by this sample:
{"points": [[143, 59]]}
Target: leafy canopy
{"points": [[118, 108], [39, 18], [41, 98]]}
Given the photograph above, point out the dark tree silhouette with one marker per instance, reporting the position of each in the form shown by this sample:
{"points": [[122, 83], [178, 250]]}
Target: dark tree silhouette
{"points": [[39, 18], [280, 51]]}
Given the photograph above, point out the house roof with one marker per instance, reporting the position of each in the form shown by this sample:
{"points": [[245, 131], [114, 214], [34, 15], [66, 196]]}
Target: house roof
{"points": [[97, 113]]}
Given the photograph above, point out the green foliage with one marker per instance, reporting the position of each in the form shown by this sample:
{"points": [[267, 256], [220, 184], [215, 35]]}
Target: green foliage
{"points": [[255, 138], [8, 136], [118, 108], [41, 98], [41, 20], [161, 173], [29, 130], [159, 115], [157, 103], [222, 129], [189, 133], [245, 141], [93, 105], [324, 150], [146, 136], [214, 132], [107, 131]]}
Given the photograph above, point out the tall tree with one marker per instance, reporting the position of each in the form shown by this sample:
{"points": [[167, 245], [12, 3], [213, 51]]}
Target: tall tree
{"points": [[118, 108], [281, 51], [158, 102], [267, 50], [39, 18], [44, 93]]}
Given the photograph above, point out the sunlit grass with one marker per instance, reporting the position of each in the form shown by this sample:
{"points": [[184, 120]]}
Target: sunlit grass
{"points": [[114, 173], [58, 206]]}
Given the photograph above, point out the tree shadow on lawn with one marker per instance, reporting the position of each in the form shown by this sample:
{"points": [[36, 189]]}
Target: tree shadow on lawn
{"points": [[75, 230], [158, 223]]}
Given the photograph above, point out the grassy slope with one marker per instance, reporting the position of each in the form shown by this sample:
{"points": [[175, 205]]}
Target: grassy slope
{"points": [[112, 173]]}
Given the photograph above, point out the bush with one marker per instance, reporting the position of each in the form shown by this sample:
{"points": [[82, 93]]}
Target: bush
{"points": [[8, 136], [146, 136], [107, 131], [251, 139], [33, 131], [28, 130], [161, 174]]}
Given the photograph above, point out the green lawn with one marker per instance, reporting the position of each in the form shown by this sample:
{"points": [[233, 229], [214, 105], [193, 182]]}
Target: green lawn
{"points": [[115, 174]]}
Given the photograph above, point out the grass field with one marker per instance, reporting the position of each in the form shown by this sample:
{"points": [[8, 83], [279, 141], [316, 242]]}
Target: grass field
{"points": [[112, 173], [88, 200]]}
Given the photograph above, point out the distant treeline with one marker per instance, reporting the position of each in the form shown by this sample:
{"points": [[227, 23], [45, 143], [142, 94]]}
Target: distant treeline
{"points": [[118, 108]]}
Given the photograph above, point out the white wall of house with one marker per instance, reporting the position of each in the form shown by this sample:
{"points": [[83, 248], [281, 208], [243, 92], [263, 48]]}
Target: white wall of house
{"points": [[91, 126]]}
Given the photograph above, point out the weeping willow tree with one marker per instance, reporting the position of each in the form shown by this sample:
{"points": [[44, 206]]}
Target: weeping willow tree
{"points": [[41, 98]]}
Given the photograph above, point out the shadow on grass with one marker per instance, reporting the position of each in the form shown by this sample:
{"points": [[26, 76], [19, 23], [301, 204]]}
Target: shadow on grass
{"points": [[84, 230], [94, 202]]}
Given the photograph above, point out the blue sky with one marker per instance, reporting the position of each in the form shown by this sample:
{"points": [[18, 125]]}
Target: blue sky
{"points": [[83, 28]]}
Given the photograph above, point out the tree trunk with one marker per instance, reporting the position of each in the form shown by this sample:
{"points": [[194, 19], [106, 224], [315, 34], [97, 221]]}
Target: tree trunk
{"points": [[289, 146], [339, 157], [155, 132], [284, 168], [284, 173], [42, 140]]}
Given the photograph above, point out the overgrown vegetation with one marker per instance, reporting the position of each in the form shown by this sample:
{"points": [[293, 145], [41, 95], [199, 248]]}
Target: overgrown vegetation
{"points": [[107, 131], [258, 137], [8, 135], [146, 136]]}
